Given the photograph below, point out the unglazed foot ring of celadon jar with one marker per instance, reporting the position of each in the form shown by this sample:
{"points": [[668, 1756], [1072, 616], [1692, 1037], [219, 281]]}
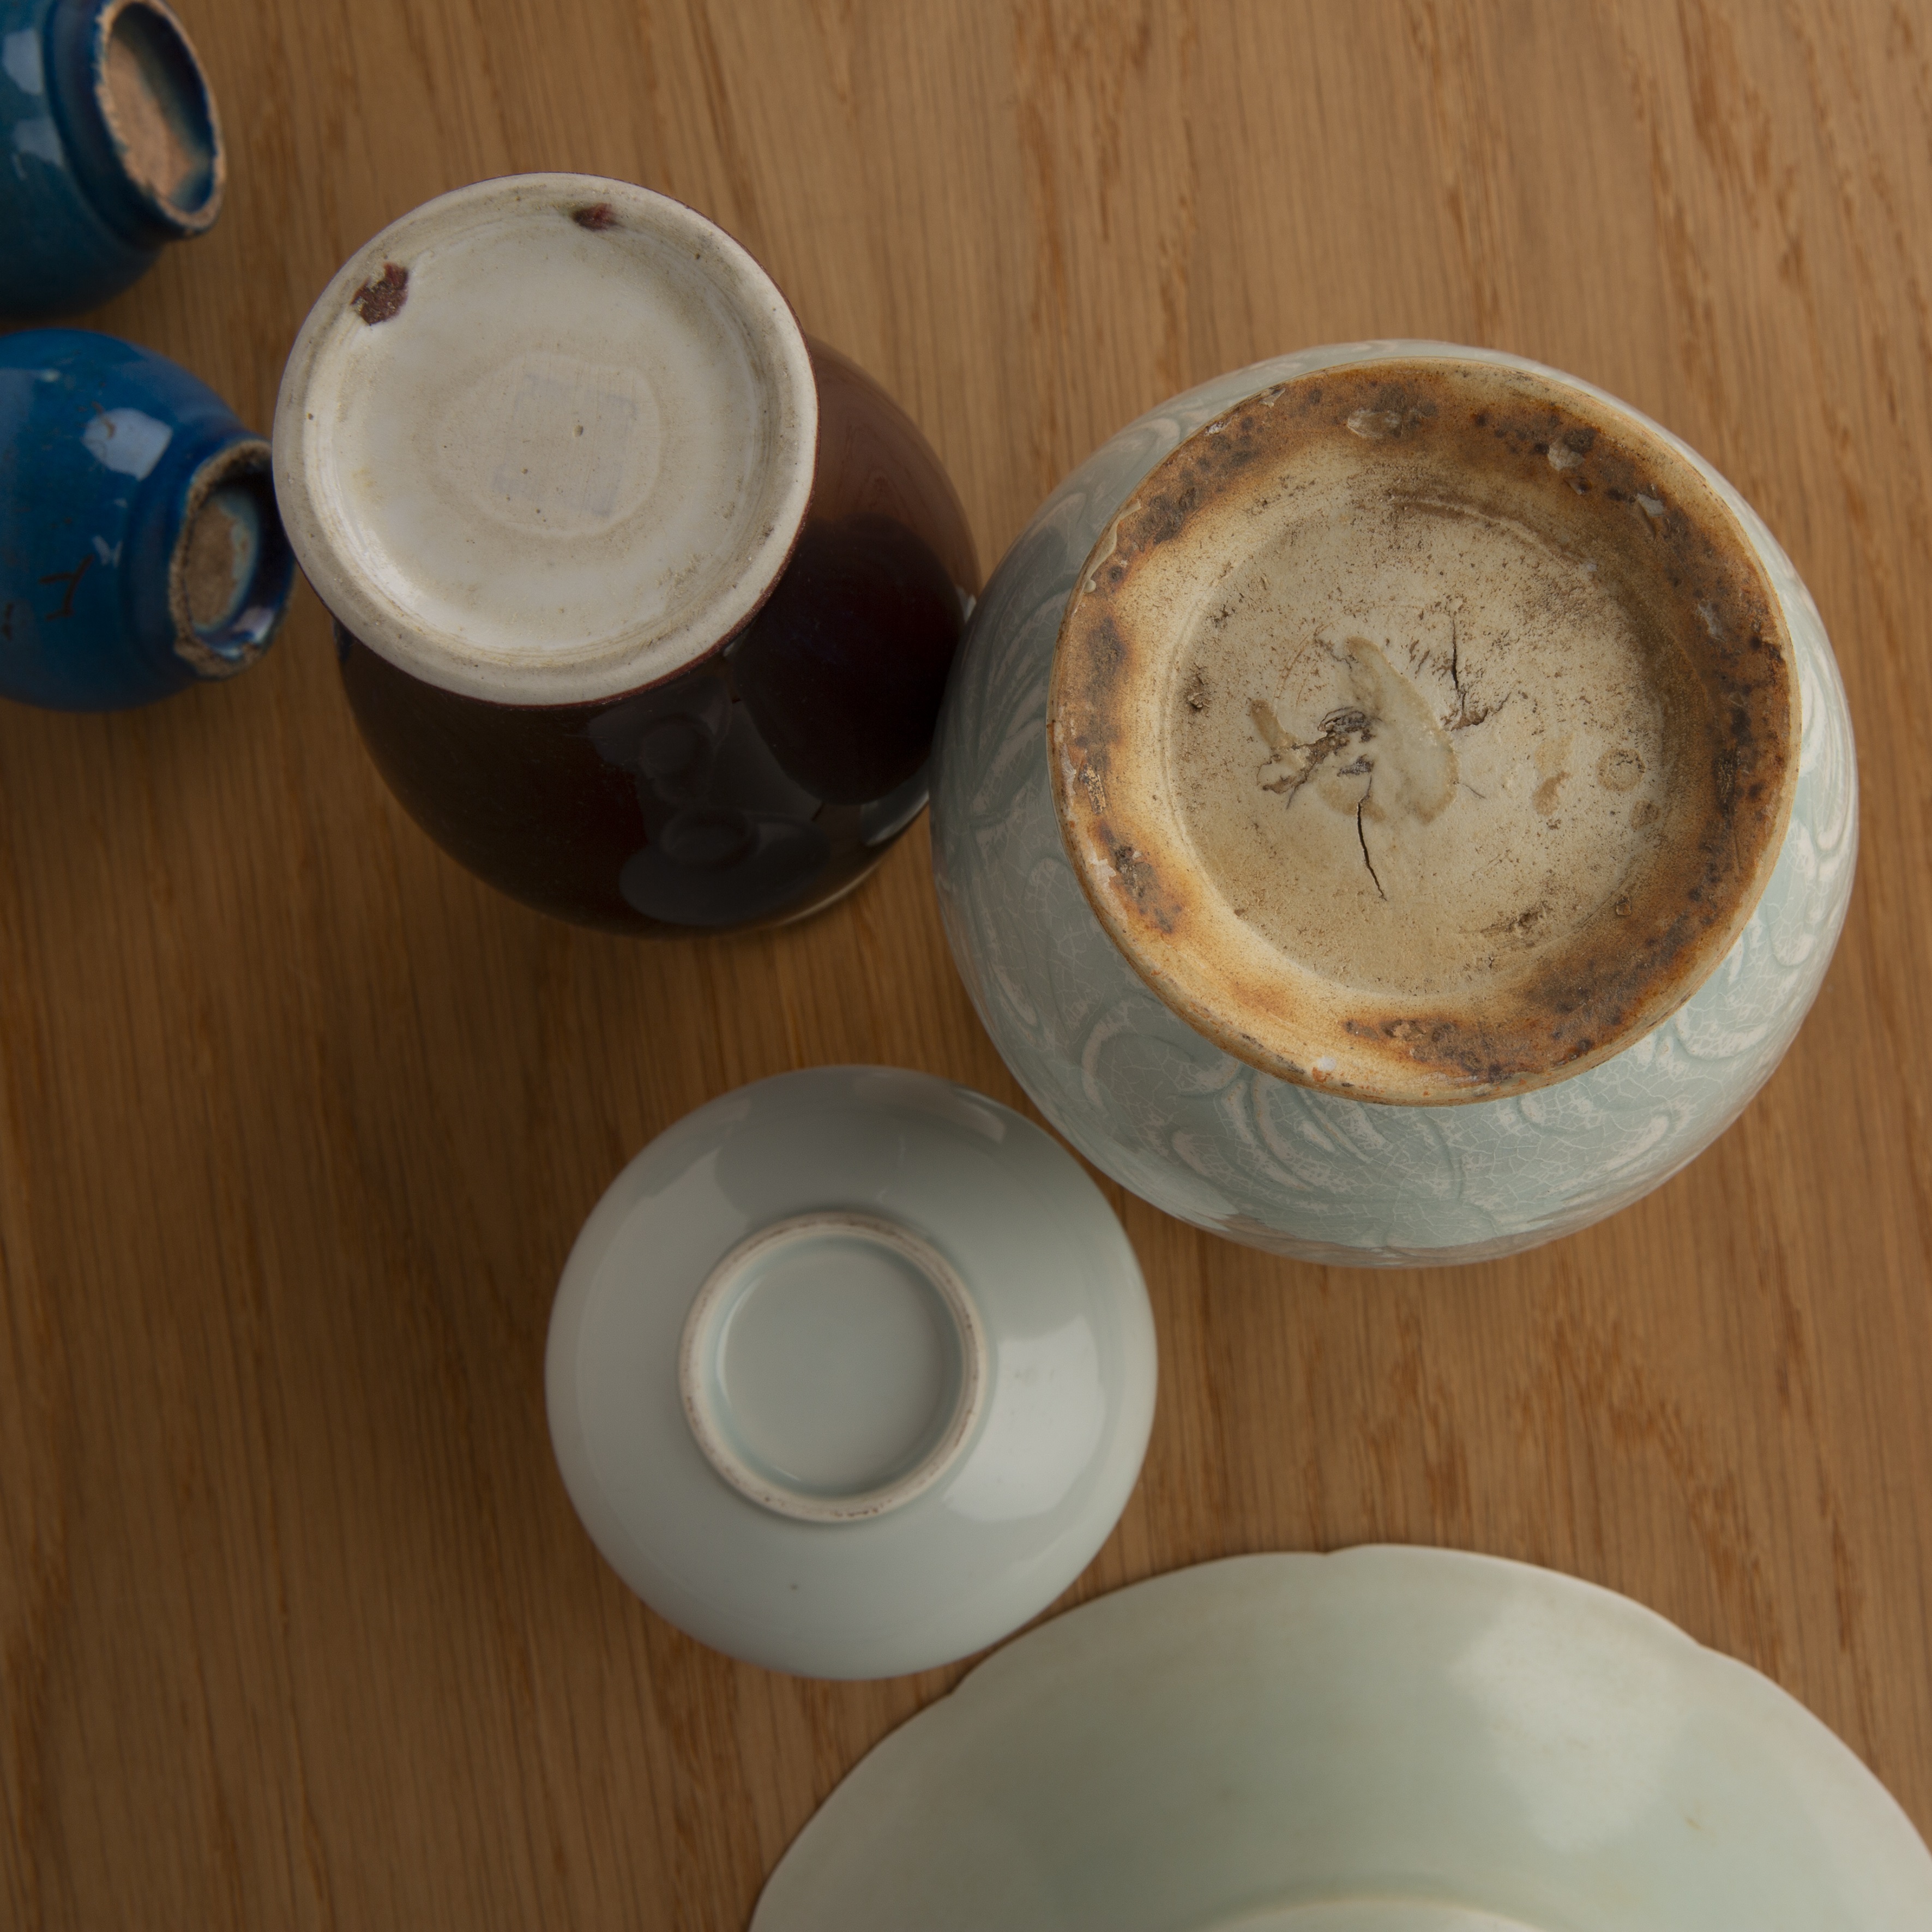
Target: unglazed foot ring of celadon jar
{"points": [[1447, 817]]}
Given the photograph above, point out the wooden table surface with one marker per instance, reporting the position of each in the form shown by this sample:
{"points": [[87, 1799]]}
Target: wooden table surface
{"points": [[297, 1122]]}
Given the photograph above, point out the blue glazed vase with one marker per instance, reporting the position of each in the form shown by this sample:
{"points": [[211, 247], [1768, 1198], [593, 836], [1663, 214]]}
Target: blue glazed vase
{"points": [[112, 149], [140, 548]]}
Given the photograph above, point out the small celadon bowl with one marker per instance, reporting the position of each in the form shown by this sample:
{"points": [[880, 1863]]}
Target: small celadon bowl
{"points": [[850, 1372], [1383, 1740]]}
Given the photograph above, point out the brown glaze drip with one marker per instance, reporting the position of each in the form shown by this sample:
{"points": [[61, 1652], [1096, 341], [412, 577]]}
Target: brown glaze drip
{"points": [[378, 301]]}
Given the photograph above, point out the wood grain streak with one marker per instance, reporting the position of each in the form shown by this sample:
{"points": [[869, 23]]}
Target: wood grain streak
{"points": [[297, 1122]]}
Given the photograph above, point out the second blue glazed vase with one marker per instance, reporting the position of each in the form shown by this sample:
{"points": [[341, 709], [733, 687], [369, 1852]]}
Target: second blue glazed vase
{"points": [[140, 548], [112, 149]]}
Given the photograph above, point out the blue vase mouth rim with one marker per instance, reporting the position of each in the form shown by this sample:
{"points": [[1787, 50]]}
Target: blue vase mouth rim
{"points": [[179, 218], [231, 643]]}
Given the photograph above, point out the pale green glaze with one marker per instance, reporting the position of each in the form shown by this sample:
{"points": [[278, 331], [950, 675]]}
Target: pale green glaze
{"points": [[1213, 1140], [1384, 1740], [852, 1564]]}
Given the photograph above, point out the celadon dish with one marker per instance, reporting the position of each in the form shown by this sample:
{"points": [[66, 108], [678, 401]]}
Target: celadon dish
{"points": [[850, 1372], [1383, 1740]]}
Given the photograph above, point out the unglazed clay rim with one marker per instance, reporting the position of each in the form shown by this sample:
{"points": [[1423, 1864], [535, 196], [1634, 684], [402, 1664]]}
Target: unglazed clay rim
{"points": [[250, 456], [598, 669], [701, 1338], [1236, 1000], [183, 221]]}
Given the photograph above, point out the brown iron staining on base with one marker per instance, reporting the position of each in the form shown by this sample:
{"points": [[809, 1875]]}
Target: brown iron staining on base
{"points": [[1131, 873], [1137, 877], [596, 216], [378, 301], [1339, 729], [1499, 442], [1082, 763]]}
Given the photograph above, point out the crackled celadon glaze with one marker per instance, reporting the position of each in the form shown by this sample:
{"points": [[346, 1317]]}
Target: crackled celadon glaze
{"points": [[1213, 1140]]}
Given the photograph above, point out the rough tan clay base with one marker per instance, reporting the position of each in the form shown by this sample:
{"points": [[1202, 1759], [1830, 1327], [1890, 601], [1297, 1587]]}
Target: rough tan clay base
{"points": [[1464, 759], [215, 565], [157, 154], [1425, 729], [215, 556], [156, 103]]}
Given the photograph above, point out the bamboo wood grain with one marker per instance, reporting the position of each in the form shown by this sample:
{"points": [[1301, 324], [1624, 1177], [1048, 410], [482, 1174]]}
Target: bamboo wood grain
{"points": [[297, 1122]]}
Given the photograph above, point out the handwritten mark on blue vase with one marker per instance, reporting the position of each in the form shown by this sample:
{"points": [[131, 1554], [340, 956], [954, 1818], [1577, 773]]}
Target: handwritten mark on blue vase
{"points": [[71, 578]]}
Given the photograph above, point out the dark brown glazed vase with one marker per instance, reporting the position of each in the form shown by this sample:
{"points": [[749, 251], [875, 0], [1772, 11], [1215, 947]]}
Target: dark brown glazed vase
{"points": [[763, 774], [761, 782]]}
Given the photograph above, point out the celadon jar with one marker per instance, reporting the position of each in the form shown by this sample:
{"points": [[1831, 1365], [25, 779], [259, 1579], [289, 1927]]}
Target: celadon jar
{"points": [[1394, 804]]}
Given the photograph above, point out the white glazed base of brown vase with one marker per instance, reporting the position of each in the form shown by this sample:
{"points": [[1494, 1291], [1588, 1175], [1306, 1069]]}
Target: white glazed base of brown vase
{"points": [[546, 440]]}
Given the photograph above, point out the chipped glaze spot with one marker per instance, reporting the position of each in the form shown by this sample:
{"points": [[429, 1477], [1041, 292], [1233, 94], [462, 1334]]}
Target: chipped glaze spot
{"points": [[382, 298]]}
